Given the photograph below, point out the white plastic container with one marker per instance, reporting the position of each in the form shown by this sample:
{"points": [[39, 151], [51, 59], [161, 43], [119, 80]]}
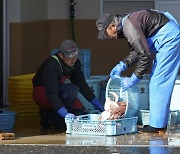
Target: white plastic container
{"points": [[175, 99], [94, 85], [143, 87], [144, 114], [90, 125], [101, 86], [130, 96]]}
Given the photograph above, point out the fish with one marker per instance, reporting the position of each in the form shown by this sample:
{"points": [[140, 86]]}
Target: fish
{"points": [[112, 108]]}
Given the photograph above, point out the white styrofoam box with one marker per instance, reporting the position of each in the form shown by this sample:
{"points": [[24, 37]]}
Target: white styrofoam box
{"points": [[93, 84], [143, 87], [144, 115], [101, 79], [175, 99], [88, 106]]}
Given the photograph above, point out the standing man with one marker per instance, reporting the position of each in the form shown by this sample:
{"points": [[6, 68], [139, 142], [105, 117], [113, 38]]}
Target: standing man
{"points": [[147, 32], [56, 98]]}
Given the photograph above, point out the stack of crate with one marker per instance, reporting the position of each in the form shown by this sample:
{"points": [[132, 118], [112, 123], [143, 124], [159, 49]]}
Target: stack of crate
{"points": [[20, 98], [85, 58]]}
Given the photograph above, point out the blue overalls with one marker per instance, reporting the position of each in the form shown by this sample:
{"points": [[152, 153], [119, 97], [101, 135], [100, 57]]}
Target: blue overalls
{"points": [[166, 46]]}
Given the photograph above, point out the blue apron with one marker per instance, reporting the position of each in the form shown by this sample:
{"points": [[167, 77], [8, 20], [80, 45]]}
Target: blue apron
{"points": [[166, 46]]}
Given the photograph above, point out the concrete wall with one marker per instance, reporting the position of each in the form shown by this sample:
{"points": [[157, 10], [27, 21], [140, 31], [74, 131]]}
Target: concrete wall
{"points": [[37, 26]]}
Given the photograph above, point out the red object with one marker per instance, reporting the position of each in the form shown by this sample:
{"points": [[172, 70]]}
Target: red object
{"points": [[39, 96], [78, 105]]}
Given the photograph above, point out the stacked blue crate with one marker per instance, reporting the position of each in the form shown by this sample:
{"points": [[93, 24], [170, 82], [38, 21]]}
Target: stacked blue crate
{"points": [[85, 58], [54, 51]]}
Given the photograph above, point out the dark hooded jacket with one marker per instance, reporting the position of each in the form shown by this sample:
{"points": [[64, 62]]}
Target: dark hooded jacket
{"points": [[136, 28], [52, 73]]}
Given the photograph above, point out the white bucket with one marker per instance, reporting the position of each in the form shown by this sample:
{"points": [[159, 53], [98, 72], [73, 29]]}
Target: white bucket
{"points": [[130, 96]]}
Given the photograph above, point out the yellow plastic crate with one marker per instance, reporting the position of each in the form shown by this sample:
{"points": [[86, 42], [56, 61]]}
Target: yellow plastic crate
{"points": [[21, 120], [21, 79], [23, 104], [26, 106], [31, 108], [25, 110], [27, 114], [20, 99], [20, 84], [20, 95], [20, 87], [21, 91]]}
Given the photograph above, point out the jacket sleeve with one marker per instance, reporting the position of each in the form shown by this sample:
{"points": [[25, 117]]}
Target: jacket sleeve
{"points": [[140, 53], [50, 78]]}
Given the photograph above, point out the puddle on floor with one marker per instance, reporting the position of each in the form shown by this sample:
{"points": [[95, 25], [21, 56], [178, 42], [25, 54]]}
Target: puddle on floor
{"points": [[29, 131]]}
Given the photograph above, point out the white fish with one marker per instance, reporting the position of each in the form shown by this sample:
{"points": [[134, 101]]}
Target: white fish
{"points": [[109, 106]]}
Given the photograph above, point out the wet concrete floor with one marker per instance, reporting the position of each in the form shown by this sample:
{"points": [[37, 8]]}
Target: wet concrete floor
{"points": [[31, 138]]}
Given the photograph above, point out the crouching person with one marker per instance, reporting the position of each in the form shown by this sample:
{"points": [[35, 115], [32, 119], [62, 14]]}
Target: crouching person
{"points": [[57, 98]]}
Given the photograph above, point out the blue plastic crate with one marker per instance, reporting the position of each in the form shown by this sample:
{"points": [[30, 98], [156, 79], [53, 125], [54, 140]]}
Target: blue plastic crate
{"points": [[85, 56], [90, 125], [54, 51], [86, 69], [7, 119]]}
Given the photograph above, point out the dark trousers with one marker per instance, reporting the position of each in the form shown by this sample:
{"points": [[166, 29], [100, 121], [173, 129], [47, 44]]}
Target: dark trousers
{"points": [[68, 94]]}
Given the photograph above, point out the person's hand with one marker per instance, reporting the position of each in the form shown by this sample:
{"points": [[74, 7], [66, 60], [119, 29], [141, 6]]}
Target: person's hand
{"points": [[117, 70], [97, 105], [65, 114], [127, 82], [70, 116]]}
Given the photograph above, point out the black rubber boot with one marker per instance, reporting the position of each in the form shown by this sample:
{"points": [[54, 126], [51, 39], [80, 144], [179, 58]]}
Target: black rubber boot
{"points": [[45, 116], [149, 129], [57, 122]]}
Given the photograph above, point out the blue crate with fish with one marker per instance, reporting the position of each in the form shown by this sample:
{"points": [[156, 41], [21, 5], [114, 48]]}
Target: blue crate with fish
{"points": [[91, 125]]}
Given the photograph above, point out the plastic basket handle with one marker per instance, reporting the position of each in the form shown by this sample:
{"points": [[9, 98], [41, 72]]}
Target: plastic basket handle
{"points": [[83, 117], [94, 112]]}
